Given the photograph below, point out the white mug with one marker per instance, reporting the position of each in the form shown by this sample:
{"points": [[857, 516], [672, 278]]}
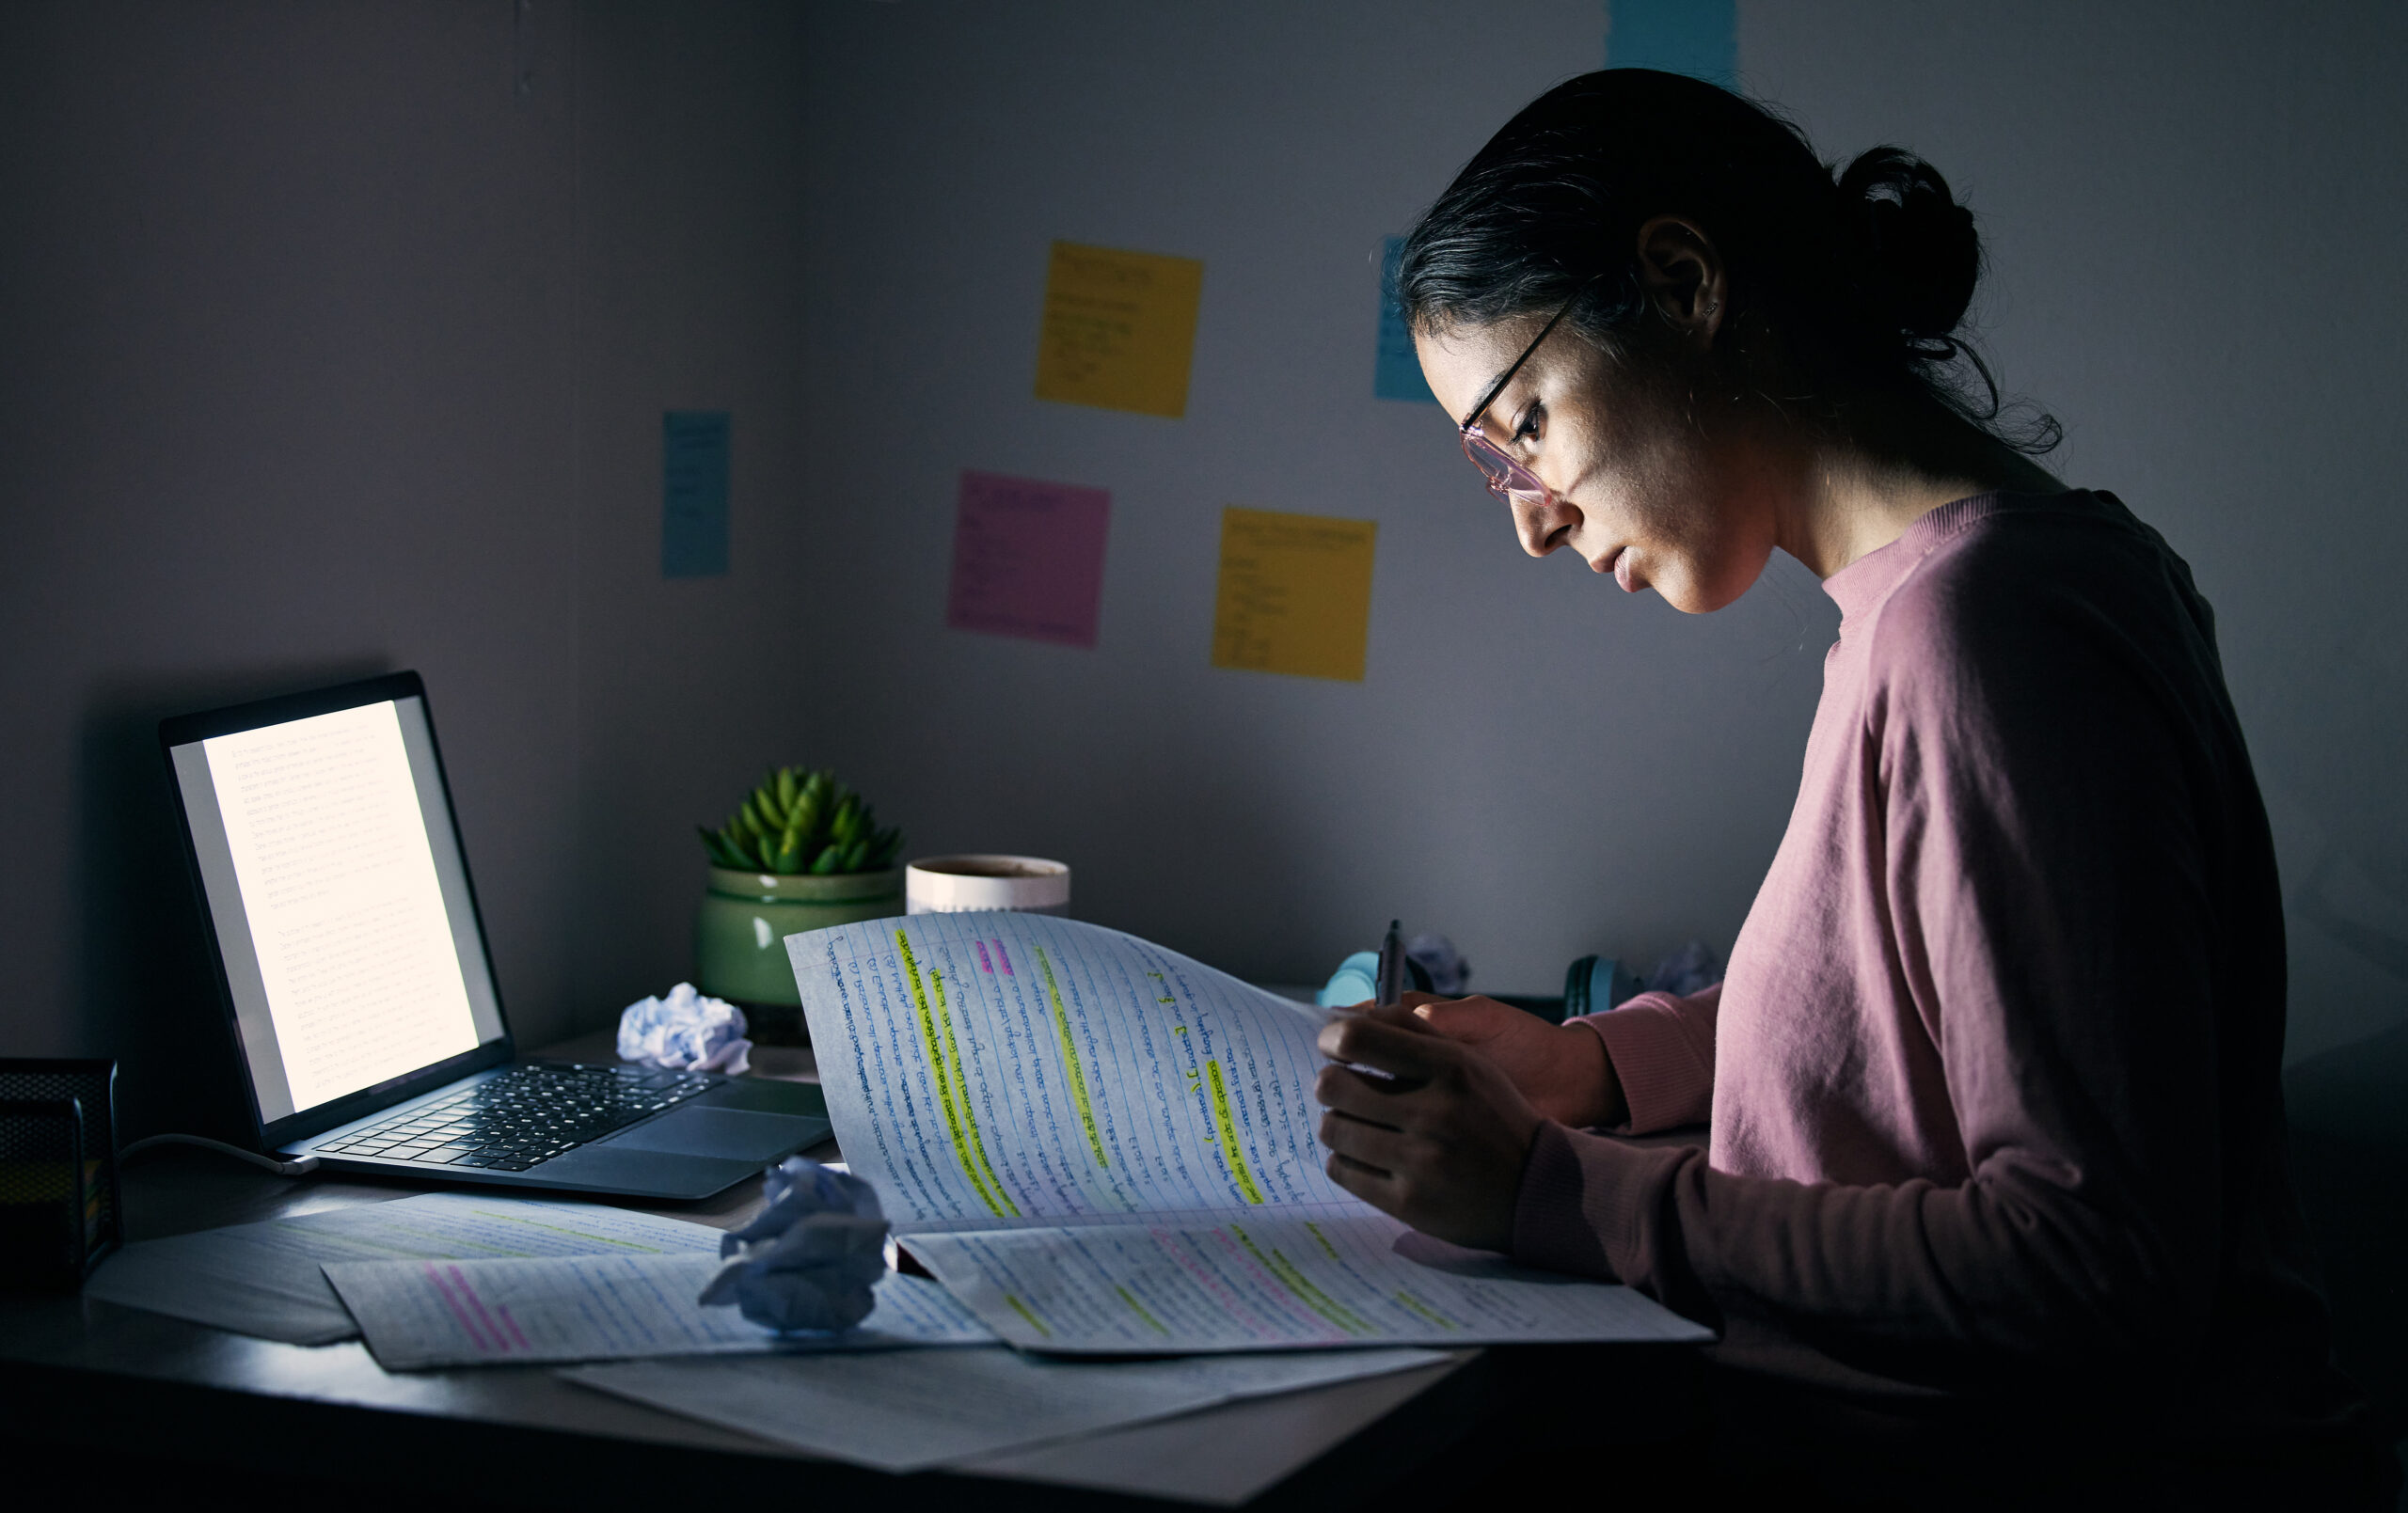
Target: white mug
{"points": [[957, 885]]}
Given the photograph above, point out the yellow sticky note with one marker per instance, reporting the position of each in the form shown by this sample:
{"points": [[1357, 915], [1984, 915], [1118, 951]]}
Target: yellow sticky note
{"points": [[1295, 595], [1120, 329]]}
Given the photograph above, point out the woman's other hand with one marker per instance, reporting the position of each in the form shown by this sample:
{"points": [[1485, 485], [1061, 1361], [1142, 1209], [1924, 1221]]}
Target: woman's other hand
{"points": [[1441, 1145], [1563, 1069]]}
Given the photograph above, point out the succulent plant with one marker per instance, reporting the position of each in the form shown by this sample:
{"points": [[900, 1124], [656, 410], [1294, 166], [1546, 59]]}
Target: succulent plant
{"points": [[799, 822]]}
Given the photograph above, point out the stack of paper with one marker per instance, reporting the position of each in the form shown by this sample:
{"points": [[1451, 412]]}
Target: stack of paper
{"points": [[1102, 1147], [419, 1313], [909, 1411], [265, 1279]]}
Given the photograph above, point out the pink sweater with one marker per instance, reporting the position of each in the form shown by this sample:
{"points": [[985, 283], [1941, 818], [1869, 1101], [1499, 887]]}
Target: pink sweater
{"points": [[1994, 1077]]}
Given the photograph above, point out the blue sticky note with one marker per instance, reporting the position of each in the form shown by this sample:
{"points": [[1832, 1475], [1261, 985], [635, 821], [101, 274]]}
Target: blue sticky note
{"points": [[1398, 375], [1699, 37], [693, 494]]}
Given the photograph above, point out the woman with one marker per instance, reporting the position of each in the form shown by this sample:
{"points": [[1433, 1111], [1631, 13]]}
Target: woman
{"points": [[1993, 1078]]}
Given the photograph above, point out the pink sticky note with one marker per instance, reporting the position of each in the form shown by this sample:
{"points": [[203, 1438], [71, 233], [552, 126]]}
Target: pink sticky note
{"points": [[1028, 558]]}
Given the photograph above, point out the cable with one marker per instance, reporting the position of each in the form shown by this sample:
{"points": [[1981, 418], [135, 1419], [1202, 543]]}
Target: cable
{"points": [[302, 1167]]}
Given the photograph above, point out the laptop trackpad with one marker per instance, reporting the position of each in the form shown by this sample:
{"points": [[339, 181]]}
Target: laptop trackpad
{"points": [[736, 1134]]}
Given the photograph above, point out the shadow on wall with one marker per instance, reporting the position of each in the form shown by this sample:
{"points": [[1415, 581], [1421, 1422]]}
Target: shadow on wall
{"points": [[2353, 890], [148, 993], [2349, 1160]]}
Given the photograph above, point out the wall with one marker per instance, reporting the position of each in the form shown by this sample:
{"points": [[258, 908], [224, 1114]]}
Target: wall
{"points": [[324, 349], [1533, 764], [284, 399], [2190, 212]]}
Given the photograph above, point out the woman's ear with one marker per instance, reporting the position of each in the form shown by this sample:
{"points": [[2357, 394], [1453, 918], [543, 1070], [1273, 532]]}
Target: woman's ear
{"points": [[1684, 277]]}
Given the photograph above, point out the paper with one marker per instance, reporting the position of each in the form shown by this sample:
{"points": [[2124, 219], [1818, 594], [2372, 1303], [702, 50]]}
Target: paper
{"points": [[1020, 1068], [1699, 37], [1028, 559], [1101, 1147], [693, 494], [265, 1279], [1295, 595], [421, 1314], [1279, 1281], [912, 1411], [1397, 372], [1120, 329]]}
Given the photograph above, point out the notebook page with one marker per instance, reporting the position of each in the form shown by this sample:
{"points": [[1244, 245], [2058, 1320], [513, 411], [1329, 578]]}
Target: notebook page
{"points": [[1006, 1067], [1279, 1280], [557, 1308]]}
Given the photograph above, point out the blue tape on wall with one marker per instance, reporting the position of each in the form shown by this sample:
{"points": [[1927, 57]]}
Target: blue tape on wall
{"points": [[1398, 376], [693, 494], [1699, 37]]}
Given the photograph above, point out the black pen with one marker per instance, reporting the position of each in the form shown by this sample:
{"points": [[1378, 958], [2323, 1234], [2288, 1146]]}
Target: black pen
{"points": [[1392, 984]]}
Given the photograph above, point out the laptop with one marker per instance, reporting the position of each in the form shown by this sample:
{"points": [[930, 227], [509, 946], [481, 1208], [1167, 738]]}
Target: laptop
{"points": [[353, 970]]}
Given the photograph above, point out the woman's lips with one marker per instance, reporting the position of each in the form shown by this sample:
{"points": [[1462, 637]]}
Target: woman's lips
{"points": [[1622, 570]]}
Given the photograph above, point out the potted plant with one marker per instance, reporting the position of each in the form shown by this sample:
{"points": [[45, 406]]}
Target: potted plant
{"points": [[802, 852]]}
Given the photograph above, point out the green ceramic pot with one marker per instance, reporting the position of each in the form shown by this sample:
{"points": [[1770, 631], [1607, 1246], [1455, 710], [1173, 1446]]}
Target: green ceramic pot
{"points": [[742, 929]]}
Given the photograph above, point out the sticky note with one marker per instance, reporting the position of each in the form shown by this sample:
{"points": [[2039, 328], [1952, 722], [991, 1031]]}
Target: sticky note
{"points": [[1295, 595], [1028, 558], [693, 494], [1120, 329], [1398, 375], [1699, 37]]}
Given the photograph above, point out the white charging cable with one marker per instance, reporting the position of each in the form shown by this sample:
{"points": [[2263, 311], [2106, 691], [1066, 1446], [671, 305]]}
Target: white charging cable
{"points": [[302, 1167]]}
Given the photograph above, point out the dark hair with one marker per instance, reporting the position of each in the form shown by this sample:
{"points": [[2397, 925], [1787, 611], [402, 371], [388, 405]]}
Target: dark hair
{"points": [[1860, 280]]}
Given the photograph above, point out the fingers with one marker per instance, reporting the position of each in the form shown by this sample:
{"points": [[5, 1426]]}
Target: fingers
{"points": [[1390, 1039], [1470, 1020], [1377, 1151], [1363, 1098], [1367, 1182]]}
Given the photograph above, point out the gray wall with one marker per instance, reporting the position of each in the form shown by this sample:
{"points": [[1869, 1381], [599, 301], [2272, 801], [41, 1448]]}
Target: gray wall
{"points": [[323, 349]]}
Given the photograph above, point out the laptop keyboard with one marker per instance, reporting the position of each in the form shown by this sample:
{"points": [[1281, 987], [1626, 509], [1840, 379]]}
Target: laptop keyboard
{"points": [[525, 1115]]}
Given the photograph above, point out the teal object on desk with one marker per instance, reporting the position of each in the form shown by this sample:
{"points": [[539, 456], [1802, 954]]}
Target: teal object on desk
{"points": [[1356, 981], [1592, 984]]}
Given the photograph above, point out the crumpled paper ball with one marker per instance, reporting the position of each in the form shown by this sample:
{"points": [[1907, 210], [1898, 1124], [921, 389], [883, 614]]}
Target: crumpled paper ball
{"points": [[809, 1260], [685, 1030]]}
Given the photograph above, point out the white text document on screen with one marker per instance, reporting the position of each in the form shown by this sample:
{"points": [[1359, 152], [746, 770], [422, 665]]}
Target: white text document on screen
{"points": [[339, 884]]}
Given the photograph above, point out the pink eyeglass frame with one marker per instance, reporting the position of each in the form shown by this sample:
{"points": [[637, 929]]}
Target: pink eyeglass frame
{"points": [[1508, 478]]}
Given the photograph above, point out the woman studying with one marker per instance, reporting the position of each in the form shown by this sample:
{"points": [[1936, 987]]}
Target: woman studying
{"points": [[1996, 1129]]}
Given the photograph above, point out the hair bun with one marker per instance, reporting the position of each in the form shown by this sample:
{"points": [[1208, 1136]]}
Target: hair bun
{"points": [[1921, 255]]}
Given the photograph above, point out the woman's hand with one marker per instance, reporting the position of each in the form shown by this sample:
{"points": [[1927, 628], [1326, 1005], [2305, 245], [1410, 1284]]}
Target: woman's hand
{"points": [[1442, 1145], [1563, 1069]]}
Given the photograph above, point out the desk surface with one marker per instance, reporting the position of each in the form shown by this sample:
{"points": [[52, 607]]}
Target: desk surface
{"points": [[78, 1370]]}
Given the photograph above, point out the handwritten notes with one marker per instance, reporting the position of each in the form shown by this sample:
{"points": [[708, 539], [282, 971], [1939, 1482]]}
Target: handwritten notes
{"points": [[1120, 329], [1397, 371], [1295, 595], [1028, 558]]}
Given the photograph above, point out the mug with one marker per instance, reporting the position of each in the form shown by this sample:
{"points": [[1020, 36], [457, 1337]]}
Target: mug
{"points": [[957, 885]]}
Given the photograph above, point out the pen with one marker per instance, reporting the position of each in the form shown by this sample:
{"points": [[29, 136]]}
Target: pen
{"points": [[1392, 984]]}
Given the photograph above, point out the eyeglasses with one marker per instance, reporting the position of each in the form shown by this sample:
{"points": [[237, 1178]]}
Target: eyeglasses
{"points": [[1508, 478]]}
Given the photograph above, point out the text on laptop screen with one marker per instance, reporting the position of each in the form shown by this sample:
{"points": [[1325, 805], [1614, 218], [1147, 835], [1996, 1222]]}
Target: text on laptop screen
{"points": [[340, 902]]}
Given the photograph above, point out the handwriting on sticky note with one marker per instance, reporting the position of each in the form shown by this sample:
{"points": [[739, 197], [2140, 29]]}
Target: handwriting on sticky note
{"points": [[1295, 595], [1028, 558], [1120, 329]]}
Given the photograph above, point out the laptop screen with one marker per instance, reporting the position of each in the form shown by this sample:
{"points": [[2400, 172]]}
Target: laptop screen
{"points": [[339, 900]]}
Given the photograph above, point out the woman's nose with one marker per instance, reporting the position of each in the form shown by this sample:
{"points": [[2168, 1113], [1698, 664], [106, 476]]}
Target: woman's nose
{"points": [[1544, 523]]}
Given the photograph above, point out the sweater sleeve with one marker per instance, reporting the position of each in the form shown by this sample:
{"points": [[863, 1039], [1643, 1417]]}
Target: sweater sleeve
{"points": [[1662, 1050], [2058, 799]]}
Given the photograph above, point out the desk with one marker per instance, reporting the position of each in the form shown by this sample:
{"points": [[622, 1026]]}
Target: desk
{"points": [[78, 1376]]}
